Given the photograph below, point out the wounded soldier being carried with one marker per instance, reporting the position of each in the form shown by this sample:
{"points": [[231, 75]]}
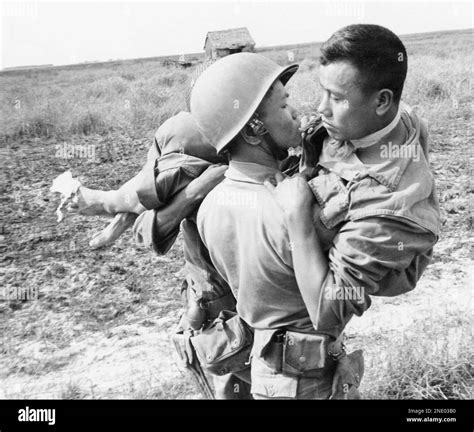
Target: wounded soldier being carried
{"points": [[282, 253]]}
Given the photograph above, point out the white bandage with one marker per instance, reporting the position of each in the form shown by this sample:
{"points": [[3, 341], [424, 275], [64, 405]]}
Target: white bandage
{"points": [[67, 186]]}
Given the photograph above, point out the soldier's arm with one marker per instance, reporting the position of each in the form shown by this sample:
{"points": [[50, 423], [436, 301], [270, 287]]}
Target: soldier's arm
{"points": [[124, 204], [309, 261], [126, 199], [96, 202], [149, 191], [157, 229], [372, 256]]}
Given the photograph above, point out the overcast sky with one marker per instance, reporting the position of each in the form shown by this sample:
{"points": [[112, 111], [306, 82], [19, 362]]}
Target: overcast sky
{"points": [[71, 32]]}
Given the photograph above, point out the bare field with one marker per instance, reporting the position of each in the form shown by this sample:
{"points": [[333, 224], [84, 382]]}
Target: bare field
{"points": [[100, 325]]}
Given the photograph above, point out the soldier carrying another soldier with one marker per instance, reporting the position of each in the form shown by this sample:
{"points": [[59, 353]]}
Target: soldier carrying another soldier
{"points": [[282, 254]]}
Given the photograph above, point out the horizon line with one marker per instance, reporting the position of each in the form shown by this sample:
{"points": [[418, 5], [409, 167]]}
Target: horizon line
{"points": [[200, 53]]}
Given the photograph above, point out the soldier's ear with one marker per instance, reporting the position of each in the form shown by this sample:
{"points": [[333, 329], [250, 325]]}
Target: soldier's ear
{"points": [[384, 101]]}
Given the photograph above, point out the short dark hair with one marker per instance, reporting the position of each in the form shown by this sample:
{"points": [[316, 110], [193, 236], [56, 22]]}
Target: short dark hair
{"points": [[375, 51]]}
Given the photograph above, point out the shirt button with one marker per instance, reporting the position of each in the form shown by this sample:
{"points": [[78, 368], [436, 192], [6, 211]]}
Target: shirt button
{"points": [[235, 343], [302, 359]]}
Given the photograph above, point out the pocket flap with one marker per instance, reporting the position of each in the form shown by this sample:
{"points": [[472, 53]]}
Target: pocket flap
{"points": [[304, 352], [221, 340], [332, 196], [267, 383]]}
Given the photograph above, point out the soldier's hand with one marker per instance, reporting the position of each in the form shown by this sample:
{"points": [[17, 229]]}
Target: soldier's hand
{"points": [[308, 122], [87, 202], [293, 195], [120, 223], [310, 154]]}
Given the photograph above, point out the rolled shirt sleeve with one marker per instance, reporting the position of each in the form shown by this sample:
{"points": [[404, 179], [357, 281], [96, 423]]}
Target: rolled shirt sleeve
{"points": [[146, 234], [373, 256], [145, 230], [146, 189], [178, 206], [163, 178]]}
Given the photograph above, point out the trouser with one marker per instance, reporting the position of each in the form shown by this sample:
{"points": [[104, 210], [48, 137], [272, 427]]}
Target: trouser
{"points": [[233, 386], [291, 365], [268, 383]]}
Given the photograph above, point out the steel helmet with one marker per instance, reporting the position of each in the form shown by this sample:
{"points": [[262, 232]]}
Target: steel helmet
{"points": [[227, 94]]}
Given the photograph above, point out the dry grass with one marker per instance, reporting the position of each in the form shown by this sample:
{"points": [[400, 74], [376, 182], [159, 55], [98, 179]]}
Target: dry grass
{"points": [[428, 363], [58, 104]]}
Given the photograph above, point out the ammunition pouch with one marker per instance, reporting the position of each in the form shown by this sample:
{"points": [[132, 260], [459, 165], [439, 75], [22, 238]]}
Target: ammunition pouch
{"points": [[292, 353], [225, 345]]}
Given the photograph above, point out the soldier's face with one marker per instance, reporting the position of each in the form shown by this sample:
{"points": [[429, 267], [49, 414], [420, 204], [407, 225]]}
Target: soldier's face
{"points": [[347, 112], [281, 120]]}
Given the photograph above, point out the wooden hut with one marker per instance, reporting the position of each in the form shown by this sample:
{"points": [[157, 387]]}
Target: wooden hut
{"points": [[224, 42]]}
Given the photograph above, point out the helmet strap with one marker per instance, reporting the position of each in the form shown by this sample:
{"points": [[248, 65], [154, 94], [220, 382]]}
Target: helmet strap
{"points": [[257, 126], [268, 147]]}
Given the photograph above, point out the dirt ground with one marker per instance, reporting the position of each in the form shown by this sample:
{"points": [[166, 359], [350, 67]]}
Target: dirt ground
{"points": [[101, 324], [97, 324]]}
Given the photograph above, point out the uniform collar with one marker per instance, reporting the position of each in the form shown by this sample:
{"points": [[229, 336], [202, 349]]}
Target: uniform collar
{"points": [[388, 171], [249, 172]]}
